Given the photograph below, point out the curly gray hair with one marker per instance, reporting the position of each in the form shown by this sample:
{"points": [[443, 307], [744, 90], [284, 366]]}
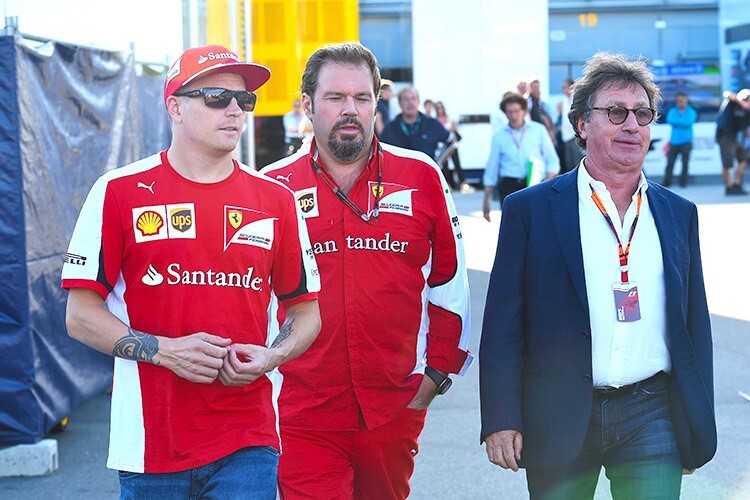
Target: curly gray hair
{"points": [[603, 70]]}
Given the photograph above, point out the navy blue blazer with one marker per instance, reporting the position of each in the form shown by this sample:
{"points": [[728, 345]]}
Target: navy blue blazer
{"points": [[535, 353]]}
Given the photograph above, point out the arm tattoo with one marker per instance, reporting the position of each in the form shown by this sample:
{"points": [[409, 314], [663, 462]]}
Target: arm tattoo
{"points": [[286, 330], [137, 345]]}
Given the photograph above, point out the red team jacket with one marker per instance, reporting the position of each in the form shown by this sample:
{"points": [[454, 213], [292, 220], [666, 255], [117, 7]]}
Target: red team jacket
{"points": [[173, 257], [394, 291]]}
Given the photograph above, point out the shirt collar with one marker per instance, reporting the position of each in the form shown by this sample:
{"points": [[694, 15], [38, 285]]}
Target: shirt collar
{"points": [[585, 180], [514, 131]]}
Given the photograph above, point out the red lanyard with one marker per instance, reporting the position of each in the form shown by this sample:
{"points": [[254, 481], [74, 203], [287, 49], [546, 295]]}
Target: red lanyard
{"points": [[512, 136], [377, 190], [623, 253]]}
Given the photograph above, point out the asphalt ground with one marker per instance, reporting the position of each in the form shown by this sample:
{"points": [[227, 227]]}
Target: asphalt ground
{"points": [[451, 463]]}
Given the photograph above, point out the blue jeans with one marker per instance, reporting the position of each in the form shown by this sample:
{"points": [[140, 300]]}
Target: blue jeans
{"points": [[633, 438], [246, 473]]}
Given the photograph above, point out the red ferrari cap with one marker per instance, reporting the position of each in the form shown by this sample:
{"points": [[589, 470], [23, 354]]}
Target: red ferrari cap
{"points": [[201, 61]]}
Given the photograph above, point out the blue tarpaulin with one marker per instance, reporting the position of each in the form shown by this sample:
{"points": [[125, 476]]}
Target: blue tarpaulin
{"points": [[67, 114]]}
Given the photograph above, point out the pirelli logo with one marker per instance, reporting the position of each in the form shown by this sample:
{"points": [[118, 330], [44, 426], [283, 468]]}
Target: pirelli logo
{"points": [[76, 260]]}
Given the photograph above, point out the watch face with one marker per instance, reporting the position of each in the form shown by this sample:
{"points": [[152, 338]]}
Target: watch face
{"points": [[443, 388]]}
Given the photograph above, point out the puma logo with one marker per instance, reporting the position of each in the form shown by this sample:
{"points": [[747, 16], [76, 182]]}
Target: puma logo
{"points": [[285, 177], [145, 186]]}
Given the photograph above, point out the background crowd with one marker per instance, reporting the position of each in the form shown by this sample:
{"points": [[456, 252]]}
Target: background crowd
{"points": [[732, 134]]}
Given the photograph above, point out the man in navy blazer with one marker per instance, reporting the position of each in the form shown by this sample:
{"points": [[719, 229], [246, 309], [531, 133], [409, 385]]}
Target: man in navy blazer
{"points": [[596, 344]]}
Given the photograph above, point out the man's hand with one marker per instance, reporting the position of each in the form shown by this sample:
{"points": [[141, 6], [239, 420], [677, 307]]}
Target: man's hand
{"points": [[245, 363], [196, 357], [504, 449], [425, 394], [486, 210], [486, 203]]}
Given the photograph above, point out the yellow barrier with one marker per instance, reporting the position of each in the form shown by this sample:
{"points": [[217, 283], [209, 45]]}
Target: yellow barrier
{"points": [[284, 34]]}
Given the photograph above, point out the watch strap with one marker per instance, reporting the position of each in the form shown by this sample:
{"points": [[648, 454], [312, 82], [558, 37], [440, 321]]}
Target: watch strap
{"points": [[443, 382]]}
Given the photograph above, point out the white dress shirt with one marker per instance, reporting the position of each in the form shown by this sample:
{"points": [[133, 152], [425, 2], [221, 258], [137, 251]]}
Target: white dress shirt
{"points": [[622, 353]]}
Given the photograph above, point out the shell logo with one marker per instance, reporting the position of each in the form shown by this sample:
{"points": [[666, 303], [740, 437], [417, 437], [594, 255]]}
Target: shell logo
{"points": [[149, 223]]}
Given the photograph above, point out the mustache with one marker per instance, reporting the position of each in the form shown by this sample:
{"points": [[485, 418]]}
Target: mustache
{"points": [[349, 121]]}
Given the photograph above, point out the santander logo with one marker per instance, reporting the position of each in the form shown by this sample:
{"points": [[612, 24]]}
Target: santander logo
{"points": [[211, 56], [204, 277], [152, 277]]}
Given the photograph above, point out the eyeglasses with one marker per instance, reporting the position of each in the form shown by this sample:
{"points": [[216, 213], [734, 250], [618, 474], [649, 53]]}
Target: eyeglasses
{"points": [[219, 98], [618, 114]]}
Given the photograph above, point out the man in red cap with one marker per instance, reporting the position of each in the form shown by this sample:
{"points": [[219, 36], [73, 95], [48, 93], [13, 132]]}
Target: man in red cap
{"points": [[171, 269]]}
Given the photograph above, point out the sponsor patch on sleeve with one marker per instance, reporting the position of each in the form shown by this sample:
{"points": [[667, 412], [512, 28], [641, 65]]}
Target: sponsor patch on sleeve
{"points": [[76, 260]]}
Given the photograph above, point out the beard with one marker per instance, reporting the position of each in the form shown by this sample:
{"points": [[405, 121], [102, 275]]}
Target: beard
{"points": [[349, 148]]}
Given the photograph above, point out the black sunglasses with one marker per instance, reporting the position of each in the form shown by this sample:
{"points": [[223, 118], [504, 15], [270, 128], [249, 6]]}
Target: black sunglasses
{"points": [[216, 97], [618, 114]]}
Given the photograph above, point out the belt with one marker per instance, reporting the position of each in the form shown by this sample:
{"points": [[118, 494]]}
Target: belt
{"points": [[615, 392]]}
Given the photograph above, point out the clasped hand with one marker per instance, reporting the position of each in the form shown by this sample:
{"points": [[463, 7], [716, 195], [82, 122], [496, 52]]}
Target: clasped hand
{"points": [[245, 363], [202, 358]]}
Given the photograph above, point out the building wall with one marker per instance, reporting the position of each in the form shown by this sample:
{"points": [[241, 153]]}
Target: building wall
{"points": [[467, 53], [734, 40], [468, 57], [687, 35], [576, 30], [386, 29]]}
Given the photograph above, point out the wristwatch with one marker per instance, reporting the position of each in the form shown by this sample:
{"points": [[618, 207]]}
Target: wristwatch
{"points": [[443, 382]]}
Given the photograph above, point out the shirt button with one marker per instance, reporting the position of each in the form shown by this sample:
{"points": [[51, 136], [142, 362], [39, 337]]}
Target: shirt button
{"points": [[585, 334]]}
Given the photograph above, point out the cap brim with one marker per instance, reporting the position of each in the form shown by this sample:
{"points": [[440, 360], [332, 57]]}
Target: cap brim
{"points": [[255, 75]]}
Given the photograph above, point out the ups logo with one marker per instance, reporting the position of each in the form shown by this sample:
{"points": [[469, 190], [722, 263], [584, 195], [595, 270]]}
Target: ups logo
{"points": [[181, 219], [306, 202]]}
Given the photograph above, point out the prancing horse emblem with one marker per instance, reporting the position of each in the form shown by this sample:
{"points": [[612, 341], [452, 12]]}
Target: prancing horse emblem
{"points": [[235, 218]]}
